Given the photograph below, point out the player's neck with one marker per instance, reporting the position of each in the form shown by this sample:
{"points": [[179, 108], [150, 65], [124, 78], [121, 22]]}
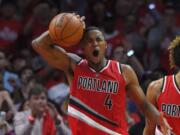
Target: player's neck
{"points": [[98, 66]]}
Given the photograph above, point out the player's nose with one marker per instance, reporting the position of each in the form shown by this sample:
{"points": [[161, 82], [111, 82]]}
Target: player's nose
{"points": [[95, 43]]}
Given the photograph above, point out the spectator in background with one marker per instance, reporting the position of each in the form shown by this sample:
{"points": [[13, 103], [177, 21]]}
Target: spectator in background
{"points": [[97, 11], [159, 38], [122, 9], [7, 112], [127, 57], [112, 35], [38, 21], [10, 26], [132, 34], [78, 6], [3, 63], [27, 81], [40, 118], [17, 63], [6, 104], [5, 128], [8, 77], [59, 93]]}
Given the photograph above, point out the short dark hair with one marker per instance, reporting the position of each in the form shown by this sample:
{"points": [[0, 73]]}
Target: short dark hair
{"points": [[36, 90], [174, 53], [20, 72], [91, 28], [88, 29]]}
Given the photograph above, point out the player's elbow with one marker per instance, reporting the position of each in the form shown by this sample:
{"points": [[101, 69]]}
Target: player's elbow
{"points": [[35, 45]]}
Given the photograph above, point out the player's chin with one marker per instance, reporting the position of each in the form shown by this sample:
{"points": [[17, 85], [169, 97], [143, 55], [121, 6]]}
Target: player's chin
{"points": [[96, 60]]}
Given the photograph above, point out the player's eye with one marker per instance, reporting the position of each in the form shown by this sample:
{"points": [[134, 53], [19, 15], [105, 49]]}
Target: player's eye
{"points": [[99, 39], [90, 40]]}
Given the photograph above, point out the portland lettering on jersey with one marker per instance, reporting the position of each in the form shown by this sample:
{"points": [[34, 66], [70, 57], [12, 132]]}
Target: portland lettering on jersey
{"points": [[172, 110], [99, 85]]}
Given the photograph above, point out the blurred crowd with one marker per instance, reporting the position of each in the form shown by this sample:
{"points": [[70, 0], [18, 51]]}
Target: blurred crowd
{"points": [[138, 33]]}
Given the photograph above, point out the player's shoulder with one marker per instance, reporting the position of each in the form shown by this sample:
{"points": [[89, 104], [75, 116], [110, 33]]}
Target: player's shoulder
{"points": [[74, 61], [128, 73], [74, 58], [127, 70], [157, 84], [126, 67], [155, 88]]}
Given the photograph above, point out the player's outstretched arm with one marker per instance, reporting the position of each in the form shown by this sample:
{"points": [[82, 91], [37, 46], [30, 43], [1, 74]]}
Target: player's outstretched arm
{"points": [[153, 92], [53, 54], [134, 91]]}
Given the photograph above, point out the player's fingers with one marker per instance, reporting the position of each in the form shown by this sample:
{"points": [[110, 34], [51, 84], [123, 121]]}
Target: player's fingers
{"points": [[83, 18], [82, 21], [78, 16]]}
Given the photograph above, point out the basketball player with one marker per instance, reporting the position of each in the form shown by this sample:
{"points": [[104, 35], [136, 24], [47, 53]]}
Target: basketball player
{"points": [[98, 86], [165, 94]]}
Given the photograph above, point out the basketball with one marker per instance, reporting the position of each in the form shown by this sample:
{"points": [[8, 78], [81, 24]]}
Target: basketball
{"points": [[66, 29]]}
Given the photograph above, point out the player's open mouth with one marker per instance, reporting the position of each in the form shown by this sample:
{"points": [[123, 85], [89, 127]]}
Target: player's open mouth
{"points": [[95, 53]]}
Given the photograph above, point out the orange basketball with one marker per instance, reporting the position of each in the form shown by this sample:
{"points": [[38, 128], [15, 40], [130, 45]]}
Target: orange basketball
{"points": [[66, 29]]}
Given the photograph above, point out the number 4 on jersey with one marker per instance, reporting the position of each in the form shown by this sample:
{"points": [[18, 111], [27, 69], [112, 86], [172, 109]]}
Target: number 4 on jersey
{"points": [[108, 102]]}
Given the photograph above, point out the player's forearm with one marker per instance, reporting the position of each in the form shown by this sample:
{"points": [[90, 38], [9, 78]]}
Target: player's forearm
{"points": [[149, 128], [44, 46], [53, 54], [151, 112], [147, 132], [136, 65], [42, 42]]}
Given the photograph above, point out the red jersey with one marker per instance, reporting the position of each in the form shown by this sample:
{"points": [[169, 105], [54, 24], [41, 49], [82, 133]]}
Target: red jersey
{"points": [[98, 100], [9, 33], [169, 103]]}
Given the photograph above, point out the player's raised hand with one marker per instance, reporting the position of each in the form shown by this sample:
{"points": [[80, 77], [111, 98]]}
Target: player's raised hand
{"points": [[82, 19]]}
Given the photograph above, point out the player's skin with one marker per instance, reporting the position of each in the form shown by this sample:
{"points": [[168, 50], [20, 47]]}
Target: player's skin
{"points": [[94, 41], [153, 92]]}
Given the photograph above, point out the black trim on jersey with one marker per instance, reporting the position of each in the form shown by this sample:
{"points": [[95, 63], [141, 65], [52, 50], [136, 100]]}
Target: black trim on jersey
{"points": [[120, 67], [99, 70], [79, 61], [74, 58], [163, 85], [74, 101], [175, 81]]}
